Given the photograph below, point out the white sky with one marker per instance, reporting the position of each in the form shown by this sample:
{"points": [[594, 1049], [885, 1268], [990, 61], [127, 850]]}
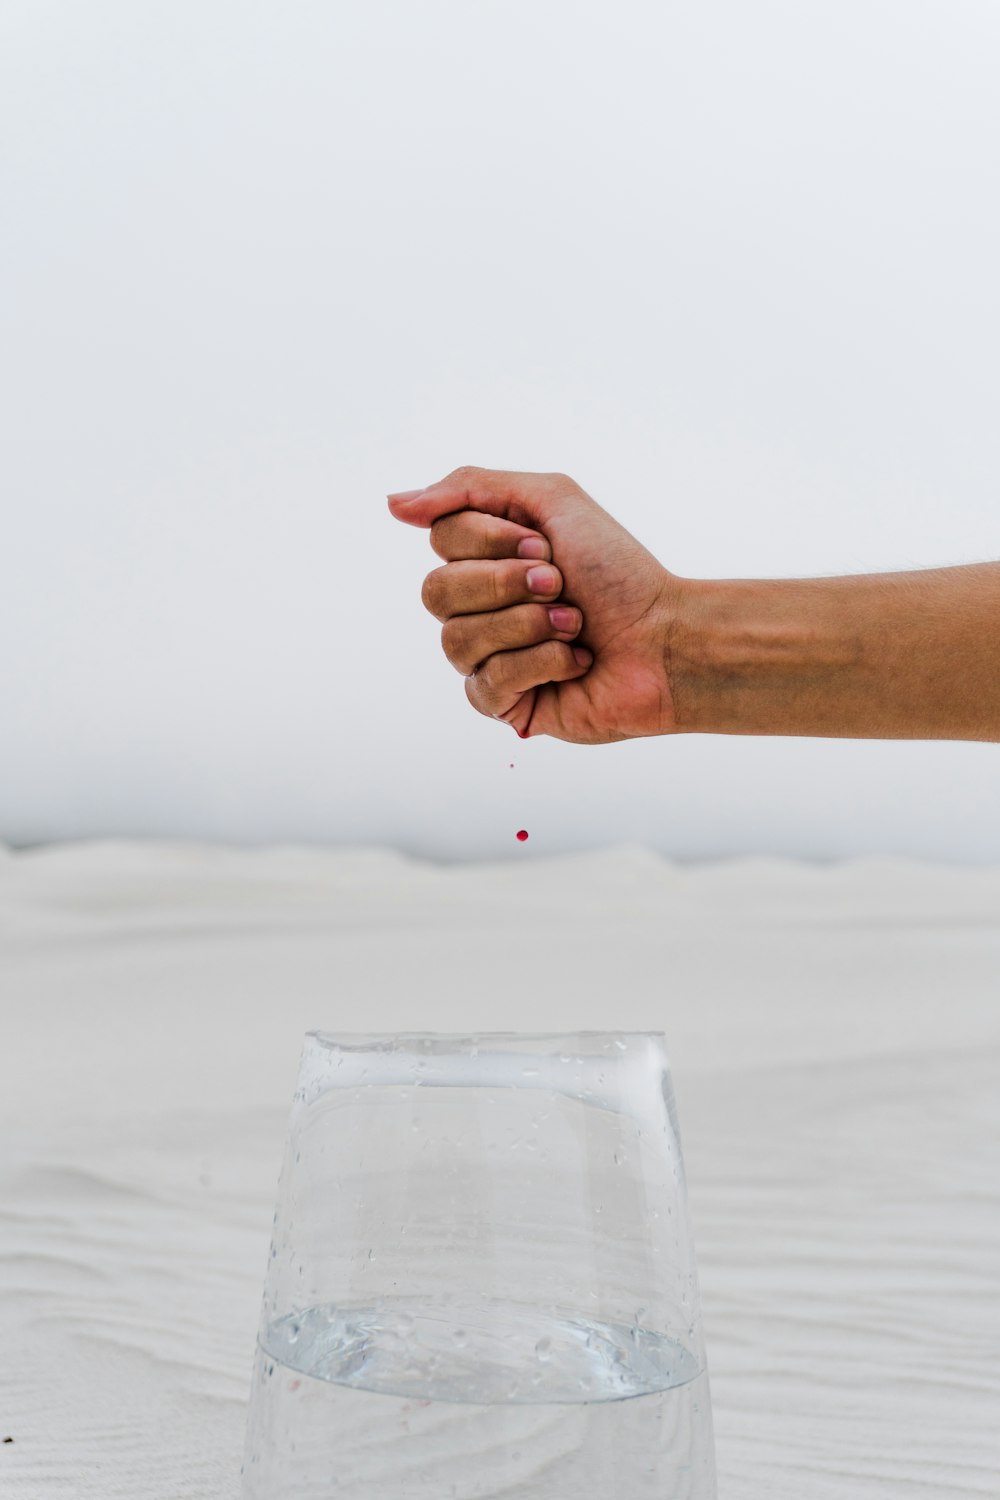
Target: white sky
{"points": [[731, 266]]}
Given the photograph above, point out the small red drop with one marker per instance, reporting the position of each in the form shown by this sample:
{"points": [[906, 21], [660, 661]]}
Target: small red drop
{"points": [[522, 834]]}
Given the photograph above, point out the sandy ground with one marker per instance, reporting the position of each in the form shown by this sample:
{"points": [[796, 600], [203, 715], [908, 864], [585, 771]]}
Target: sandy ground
{"points": [[835, 1042]]}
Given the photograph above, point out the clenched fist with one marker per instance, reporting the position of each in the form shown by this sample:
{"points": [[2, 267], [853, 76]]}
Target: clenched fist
{"points": [[558, 619]]}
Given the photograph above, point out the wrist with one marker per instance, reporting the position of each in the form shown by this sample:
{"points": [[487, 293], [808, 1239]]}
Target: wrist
{"points": [[762, 656]]}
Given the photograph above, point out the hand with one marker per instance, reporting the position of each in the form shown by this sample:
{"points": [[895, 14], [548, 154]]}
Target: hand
{"points": [[495, 529]]}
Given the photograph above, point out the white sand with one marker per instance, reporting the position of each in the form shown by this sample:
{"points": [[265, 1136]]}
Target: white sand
{"points": [[835, 1039]]}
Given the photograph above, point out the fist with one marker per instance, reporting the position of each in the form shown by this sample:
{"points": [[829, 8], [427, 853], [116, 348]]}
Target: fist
{"points": [[557, 618]]}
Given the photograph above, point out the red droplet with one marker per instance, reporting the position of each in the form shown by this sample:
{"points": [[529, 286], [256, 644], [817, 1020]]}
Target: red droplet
{"points": [[522, 834], [512, 765]]}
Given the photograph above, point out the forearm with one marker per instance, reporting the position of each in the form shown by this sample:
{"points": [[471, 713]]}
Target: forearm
{"points": [[877, 656]]}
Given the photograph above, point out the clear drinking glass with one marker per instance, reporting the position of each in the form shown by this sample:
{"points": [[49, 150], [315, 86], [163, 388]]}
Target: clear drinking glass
{"points": [[481, 1279]]}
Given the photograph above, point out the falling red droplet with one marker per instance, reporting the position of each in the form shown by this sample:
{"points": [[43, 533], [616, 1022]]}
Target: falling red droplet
{"points": [[512, 765], [522, 834]]}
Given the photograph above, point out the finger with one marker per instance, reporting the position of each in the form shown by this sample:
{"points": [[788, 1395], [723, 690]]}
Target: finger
{"points": [[470, 533], [525, 498], [497, 685], [473, 588], [469, 639]]}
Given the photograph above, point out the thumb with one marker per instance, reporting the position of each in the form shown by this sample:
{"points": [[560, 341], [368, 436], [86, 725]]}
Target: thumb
{"points": [[527, 499]]}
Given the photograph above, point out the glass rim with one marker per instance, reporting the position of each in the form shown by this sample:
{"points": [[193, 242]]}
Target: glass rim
{"points": [[399, 1039]]}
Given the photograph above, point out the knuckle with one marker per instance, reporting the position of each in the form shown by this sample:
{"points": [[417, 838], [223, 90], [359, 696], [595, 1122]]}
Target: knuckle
{"points": [[486, 676], [474, 695], [489, 681], [553, 656], [524, 625], [474, 535], [452, 641], [431, 592], [440, 532], [492, 531], [500, 586]]}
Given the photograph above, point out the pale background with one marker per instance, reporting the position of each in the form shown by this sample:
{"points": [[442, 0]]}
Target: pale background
{"points": [[733, 267]]}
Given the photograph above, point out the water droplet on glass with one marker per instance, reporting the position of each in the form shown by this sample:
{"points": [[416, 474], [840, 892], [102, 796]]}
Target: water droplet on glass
{"points": [[460, 1337], [543, 1350]]}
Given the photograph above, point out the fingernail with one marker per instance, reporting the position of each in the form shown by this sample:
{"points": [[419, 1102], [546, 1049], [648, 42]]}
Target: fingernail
{"points": [[532, 546], [563, 619], [405, 495], [583, 656], [542, 580]]}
